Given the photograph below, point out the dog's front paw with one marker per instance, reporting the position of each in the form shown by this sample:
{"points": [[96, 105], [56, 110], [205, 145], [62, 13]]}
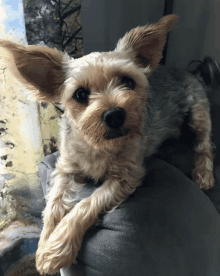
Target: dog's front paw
{"points": [[51, 259], [58, 252]]}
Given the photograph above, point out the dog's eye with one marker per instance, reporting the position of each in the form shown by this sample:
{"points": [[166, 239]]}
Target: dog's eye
{"points": [[128, 82], [81, 95]]}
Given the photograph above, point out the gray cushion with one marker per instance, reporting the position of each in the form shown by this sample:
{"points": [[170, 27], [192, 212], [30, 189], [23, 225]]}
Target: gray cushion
{"points": [[167, 227]]}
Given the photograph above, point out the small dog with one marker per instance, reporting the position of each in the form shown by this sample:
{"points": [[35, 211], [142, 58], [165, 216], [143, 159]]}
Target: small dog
{"points": [[119, 107]]}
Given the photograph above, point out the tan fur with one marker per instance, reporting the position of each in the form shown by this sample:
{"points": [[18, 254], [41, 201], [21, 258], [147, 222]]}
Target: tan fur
{"points": [[85, 151], [36, 66], [203, 172], [148, 40]]}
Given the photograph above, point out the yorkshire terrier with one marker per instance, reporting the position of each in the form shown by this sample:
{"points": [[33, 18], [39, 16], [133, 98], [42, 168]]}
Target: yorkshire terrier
{"points": [[119, 108]]}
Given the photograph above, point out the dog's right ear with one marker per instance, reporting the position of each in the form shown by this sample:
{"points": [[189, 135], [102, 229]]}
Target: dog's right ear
{"points": [[145, 44], [40, 68]]}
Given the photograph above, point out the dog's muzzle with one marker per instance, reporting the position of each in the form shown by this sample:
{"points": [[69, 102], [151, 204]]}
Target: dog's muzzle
{"points": [[112, 134], [115, 118]]}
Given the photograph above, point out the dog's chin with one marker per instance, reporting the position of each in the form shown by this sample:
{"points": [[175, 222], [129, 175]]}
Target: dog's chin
{"points": [[114, 134]]}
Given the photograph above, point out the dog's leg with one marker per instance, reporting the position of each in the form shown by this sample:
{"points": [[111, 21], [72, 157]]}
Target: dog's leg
{"points": [[201, 123], [64, 243], [56, 208]]}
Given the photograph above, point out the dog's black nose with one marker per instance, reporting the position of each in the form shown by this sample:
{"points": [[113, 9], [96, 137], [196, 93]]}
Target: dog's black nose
{"points": [[114, 117]]}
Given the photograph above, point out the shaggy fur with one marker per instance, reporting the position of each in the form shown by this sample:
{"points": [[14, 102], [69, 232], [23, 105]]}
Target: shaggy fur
{"points": [[119, 107]]}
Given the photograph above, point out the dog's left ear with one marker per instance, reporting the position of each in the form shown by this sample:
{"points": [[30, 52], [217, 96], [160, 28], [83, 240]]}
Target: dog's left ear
{"points": [[145, 44], [39, 68]]}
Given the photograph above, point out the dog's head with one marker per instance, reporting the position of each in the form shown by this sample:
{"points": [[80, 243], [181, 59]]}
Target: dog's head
{"points": [[104, 94]]}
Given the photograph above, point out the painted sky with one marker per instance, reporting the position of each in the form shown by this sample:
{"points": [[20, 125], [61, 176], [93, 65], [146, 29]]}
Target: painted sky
{"points": [[11, 16]]}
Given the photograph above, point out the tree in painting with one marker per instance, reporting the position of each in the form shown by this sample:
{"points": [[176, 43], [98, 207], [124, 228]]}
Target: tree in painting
{"points": [[55, 23]]}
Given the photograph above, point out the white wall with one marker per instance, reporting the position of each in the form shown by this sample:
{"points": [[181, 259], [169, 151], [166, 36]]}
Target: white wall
{"points": [[197, 34]]}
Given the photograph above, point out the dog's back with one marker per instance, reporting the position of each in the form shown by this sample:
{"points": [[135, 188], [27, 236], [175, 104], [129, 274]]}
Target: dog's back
{"points": [[172, 92]]}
